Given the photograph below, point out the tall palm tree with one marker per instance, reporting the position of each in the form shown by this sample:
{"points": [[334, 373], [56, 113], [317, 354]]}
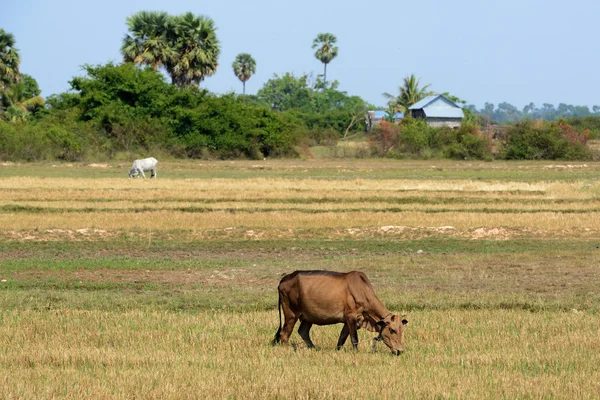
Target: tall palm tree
{"points": [[244, 67], [9, 64], [148, 42], [197, 49], [410, 93], [185, 45], [326, 51]]}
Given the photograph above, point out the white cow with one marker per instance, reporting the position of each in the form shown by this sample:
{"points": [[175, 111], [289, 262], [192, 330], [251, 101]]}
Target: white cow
{"points": [[147, 164]]}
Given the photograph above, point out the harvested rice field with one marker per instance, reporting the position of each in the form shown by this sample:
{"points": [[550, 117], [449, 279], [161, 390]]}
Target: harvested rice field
{"points": [[166, 288]]}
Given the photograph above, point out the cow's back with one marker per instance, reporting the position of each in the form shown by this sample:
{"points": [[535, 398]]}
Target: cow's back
{"points": [[145, 163], [149, 163], [320, 297]]}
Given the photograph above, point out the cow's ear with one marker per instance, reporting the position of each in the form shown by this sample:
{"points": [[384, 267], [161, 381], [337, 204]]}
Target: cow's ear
{"points": [[404, 321]]}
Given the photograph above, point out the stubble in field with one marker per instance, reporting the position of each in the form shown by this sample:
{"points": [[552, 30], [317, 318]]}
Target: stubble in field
{"points": [[117, 288]]}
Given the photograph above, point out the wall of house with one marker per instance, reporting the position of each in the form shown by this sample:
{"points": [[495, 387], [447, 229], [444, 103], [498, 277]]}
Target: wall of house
{"points": [[439, 122]]}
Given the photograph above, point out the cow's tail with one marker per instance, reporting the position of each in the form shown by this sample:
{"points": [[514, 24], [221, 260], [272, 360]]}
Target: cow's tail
{"points": [[277, 338]]}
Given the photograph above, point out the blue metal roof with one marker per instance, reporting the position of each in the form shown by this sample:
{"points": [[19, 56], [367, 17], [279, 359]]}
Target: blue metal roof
{"points": [[438, 106], [423, 103]]}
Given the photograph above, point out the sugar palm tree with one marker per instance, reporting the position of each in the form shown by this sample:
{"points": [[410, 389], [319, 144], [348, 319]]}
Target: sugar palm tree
{"points": [[244, 67], [9, 64], [326, 51], [148, 41], [409, 93], [197, 49], [185, 45]]}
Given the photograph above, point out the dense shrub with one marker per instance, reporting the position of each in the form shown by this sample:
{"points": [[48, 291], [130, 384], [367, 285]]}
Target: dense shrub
{"points": [[322, 107], [546, 141], [337, 120], [122, 109], [29, 142], [591, 124], [228, 127], [464, 143], [413, 138], [21, 141]]}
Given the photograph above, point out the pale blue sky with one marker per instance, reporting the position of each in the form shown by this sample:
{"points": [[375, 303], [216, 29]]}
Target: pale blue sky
{"points": [[545, 51]]}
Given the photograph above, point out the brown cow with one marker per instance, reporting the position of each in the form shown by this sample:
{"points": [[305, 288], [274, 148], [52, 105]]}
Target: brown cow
{"points": [[325, 298]]}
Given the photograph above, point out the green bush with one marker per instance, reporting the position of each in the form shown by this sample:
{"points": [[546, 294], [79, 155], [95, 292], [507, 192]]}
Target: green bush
{"points": [[337, 120], [65, 144], [70, 139], [464, 143], [546, 141], [413, 138], [22, 141], [227, 127], [592, 124]]}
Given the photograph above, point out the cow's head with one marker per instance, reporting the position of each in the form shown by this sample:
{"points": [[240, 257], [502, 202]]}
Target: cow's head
{"points": [[391, 331], [133, 172]]}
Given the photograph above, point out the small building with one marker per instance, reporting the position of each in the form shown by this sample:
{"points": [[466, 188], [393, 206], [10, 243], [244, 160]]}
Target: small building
{"points": [[438, 111], [373, 118]]}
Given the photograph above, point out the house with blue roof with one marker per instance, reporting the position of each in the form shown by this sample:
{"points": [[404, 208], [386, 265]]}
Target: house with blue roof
{"points": [[438, 111], [373, 118]]}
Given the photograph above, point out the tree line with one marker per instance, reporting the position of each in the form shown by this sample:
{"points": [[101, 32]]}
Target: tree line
{"points": [[117, 110], [507, 113], [130, 109]]}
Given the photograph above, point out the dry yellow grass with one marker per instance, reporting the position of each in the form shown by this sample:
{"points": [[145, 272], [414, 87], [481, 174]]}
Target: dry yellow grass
{"points": [[161, 220], [292, 203], [458, 354], [103, 325], [108, 186]]}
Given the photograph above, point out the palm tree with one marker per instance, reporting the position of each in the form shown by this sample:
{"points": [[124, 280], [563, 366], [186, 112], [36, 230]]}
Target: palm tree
{"points": [[21, 99], [185, 45], [19, 107], [244, 67], [148, 42], [9, 65], [410, 93], [326, 51], [197, 49]]}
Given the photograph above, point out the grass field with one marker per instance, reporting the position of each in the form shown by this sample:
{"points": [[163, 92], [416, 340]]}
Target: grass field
{"points": [[166, 288]]}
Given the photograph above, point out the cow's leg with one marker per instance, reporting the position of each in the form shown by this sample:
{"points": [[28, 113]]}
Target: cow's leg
{"points": [[343, 336], [352, 330], [304, 332], [288, 327], [153, 174], [142, 172], [289, 318]]}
